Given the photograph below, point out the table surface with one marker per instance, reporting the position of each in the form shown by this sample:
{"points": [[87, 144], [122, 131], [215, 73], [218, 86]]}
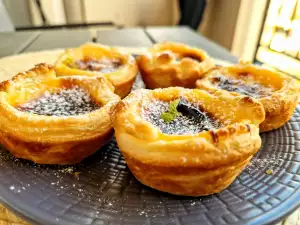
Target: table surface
{"points": [[16, 43]]}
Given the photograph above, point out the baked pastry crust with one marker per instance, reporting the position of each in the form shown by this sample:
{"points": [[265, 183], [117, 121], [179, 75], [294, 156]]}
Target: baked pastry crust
{"points": [[122, 79], [160, 67], [279, 106], [194, 165], [52, 139]]}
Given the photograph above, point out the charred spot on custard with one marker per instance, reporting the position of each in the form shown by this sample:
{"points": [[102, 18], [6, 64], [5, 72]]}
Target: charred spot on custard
{"points": [[214, 136]]}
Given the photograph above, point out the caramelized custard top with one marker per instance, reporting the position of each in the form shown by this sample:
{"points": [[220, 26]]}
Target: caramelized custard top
{"points": [[61, 102], [252, 89], [189, 120], [103, 65]]}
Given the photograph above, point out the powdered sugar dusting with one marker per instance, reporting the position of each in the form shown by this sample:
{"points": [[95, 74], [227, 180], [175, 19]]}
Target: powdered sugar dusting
{"points": [[103, 65], [181, 125], [63, 102], [264, 163], [251, 89]]}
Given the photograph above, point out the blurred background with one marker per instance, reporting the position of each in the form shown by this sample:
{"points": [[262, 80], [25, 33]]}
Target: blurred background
{"points": [[266, 32]]}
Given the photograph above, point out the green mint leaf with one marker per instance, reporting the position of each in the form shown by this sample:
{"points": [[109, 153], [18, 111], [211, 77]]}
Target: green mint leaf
{"points": [[269, 171], [173, 106], [172, 112], [167, 117], [70, 62]]}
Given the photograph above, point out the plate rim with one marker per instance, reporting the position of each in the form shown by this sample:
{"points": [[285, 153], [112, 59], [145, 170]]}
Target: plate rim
{"points": [[32, 215]]}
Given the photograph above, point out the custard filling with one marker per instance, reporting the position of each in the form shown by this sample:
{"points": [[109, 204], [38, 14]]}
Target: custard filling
{"points": [[179, 117], [103, 65], [61, 102], [251, 89]]}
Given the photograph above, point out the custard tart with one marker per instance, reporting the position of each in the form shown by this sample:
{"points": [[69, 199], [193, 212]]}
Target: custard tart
{"points": [[94, 59], [277, 92], [170, 64], [55, 120], [187, 142]]}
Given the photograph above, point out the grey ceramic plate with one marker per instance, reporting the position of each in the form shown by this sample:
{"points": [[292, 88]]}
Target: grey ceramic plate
{"points": [[102, 190]]}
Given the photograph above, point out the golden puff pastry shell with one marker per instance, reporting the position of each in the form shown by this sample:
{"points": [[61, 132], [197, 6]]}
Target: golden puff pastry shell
{"points": [[122, 79], [171, 64], [53, 139], [279, 106], [193, 165]]}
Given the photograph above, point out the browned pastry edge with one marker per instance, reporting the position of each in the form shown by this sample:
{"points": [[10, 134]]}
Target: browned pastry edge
{"points": [[185, 181], [51, 139], [279, 107], [160, 69], [71, 152], [122, 79], [41, 68]]}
